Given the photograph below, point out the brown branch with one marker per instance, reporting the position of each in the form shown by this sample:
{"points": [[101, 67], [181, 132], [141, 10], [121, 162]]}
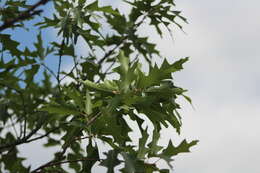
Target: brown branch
{"points": [[24, 15]]}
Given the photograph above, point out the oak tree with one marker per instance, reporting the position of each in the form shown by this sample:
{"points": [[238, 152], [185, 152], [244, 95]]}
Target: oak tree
{"points": [[100, 97]]}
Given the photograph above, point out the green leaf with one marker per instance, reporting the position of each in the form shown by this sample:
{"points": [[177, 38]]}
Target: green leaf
{"points": [[156, 74], [66, 49], [10, 45], [176, 66], [108, 86], [188, 99], [127, 73], [124, 62], [111, 161], [112, 124], [89, 69], [3, 112], [60, 109], [77, 16], [39, 47], [52, 142], [76, 96], [106, 9], [171, 150], [129, 162], [153, 145], [92, 157], [142, 147], [30, 74], [113, 103], [88, 107], [74, 165], [183, 147]]}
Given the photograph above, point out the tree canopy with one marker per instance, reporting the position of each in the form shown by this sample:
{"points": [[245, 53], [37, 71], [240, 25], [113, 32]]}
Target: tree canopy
{"points": [[105, 90]]}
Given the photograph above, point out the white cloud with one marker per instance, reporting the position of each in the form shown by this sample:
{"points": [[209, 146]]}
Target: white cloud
{"points": [[223, 78]]}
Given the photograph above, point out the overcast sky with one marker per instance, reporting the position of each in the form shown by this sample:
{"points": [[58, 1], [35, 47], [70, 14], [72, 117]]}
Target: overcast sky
{"points": [[223, 80], [222, 76]]}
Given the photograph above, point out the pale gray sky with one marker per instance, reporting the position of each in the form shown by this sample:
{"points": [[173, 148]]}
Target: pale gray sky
{"points": [[222, 77]]}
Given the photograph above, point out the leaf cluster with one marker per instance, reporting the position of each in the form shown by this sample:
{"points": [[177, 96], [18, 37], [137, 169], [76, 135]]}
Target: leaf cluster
{"points": [[105, 90]]}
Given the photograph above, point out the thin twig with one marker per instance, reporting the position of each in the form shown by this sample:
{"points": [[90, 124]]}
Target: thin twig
{"points": [[42, 136], [21, 141], [20, 92], [48, 69], [13, 125], [59, 66], [76, 67], [24, 15], [73, 68], [25, 124], [100, 34], [106, 72]]}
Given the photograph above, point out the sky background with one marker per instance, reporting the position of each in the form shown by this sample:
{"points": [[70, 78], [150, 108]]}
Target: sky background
{"points": [[223, 81], [222, 76]]}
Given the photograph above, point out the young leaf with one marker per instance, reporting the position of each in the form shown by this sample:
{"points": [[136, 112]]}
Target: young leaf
{"points": [[60, 109], [142, 147], [88, 104], [99, 87]]}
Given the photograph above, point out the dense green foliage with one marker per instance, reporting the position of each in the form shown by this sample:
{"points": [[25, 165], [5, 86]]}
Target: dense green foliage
{"points": [[106, 89]]}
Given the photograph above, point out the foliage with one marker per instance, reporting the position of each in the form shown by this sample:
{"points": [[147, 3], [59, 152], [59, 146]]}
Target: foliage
{"points": [[106, 89]]}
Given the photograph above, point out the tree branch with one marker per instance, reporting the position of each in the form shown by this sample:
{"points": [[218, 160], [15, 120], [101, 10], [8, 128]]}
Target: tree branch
{"points": [[24, 15], [26, 138], [20, 141]]}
